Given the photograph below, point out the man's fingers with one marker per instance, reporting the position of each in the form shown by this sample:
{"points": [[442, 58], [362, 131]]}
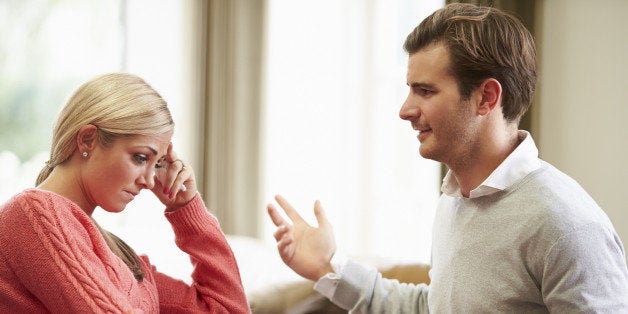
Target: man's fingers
{"points": [[281, 232], [275, 216], [319, 212], [290, 211], [285, 249]]}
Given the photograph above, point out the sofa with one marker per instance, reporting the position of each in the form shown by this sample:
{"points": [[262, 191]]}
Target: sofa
{"points": [[272, 287]]}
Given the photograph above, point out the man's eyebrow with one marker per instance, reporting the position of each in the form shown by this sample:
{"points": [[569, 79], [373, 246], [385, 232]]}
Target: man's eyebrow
{"points": [[421, 85]]}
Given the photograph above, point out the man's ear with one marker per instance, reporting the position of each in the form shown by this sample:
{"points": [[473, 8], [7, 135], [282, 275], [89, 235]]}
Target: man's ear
{"points": [[491, 92], [87, 138]]}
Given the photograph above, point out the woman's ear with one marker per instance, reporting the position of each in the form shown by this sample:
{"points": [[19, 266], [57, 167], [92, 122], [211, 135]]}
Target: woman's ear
{"points": [[87, 138], [491, 92]]}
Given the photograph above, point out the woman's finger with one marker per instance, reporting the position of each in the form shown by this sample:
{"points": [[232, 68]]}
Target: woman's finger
{"points": [[178, 184], [167, 173]]}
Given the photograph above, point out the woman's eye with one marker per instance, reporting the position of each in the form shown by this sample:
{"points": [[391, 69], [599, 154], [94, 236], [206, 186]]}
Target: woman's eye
{"points": [[161, 163], [140, 159]]}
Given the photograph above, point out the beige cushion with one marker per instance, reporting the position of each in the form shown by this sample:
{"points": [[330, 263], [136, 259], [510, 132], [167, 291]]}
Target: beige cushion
{"points": [[300, 296]]}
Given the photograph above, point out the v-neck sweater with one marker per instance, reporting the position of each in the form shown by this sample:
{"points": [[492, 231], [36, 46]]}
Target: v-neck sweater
{"points": [[53, 259]]}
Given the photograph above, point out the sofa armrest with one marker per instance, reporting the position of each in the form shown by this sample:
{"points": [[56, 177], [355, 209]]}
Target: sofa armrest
{"points": [[408, 273], [300, 296]]}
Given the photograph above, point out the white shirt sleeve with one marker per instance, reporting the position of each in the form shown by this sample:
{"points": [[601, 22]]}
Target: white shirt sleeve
{"points": [[327, 284], [361, 289]]}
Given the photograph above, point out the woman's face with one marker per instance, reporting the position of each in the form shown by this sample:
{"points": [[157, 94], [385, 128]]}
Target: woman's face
{"points": [[116, 173]]}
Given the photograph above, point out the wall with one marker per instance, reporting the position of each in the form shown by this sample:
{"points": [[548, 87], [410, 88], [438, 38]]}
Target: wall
{"points": [[582, 96]]}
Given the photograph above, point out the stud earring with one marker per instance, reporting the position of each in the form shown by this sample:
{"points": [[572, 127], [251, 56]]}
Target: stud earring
{"points": [[85, 154]]}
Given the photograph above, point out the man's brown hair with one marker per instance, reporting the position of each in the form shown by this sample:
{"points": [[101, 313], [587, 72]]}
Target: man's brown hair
{"points": [[483, 42]]}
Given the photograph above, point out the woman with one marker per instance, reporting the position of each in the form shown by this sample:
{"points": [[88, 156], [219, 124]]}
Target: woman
{"points": [[112, 140]]}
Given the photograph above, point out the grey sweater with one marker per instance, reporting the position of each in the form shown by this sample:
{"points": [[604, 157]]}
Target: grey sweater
{"points": [[541, 245]]}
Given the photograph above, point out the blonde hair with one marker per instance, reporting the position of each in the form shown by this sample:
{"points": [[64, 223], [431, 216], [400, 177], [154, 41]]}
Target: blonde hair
{"points": [[119, 105]]}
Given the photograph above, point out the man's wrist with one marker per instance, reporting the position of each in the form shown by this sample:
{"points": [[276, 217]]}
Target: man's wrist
{"points": [[327, 268]]}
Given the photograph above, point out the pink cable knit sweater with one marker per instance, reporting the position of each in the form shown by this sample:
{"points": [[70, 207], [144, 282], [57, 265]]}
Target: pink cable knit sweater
{"points": [[54, 259]]}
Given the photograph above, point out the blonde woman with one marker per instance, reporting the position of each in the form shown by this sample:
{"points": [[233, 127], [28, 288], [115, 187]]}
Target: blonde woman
{"points": [[112, 140]]}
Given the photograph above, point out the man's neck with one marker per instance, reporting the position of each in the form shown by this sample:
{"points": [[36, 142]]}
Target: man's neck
{"points": [[471, 172]]}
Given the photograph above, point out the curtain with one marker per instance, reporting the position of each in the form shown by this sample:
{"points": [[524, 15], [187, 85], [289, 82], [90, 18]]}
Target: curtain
{"points": [[229, 178], [327, 125]]}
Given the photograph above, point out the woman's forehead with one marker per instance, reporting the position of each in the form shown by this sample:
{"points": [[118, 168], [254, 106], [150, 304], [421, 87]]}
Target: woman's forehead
{"points": [[158, 143]]}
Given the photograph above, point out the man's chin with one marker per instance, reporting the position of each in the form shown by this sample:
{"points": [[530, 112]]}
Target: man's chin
{"points": [[425, 152], [428, 153]]}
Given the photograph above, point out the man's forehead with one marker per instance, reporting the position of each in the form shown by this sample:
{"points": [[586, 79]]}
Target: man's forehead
{"points": [[432, 53], [431, 59]]}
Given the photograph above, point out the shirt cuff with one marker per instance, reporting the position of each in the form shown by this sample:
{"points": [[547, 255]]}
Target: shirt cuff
{"points": [[327, 284]]}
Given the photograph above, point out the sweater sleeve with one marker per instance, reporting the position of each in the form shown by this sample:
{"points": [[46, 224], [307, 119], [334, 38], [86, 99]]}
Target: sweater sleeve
{"points": [[362, 289], [585, 270], [216, 285], [59, 261]]}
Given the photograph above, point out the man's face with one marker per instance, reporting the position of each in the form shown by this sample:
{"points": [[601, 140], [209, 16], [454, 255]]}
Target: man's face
{"points": [[447, 124]]}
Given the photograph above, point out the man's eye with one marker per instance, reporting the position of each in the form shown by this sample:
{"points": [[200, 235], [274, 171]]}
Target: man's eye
{"points": [[425, 92], [421, 91]]}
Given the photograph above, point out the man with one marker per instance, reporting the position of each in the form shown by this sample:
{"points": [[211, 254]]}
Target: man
{"points": [[511, 233]]}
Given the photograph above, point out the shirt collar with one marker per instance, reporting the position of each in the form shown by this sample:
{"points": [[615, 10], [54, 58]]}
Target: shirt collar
{"points": [[521, 162]]}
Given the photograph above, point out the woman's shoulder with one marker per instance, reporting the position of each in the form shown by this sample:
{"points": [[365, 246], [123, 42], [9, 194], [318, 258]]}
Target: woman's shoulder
{"points": [[26, 198], [34, 200], [42, 223], [40, 210]]}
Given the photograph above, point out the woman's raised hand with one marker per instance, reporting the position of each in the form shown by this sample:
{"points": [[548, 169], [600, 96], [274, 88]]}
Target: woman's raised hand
{"points": [[175, 184]]}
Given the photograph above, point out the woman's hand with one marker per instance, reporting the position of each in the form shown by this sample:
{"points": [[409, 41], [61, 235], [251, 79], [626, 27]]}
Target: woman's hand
{"points": [[305, 249], [175, 184]]}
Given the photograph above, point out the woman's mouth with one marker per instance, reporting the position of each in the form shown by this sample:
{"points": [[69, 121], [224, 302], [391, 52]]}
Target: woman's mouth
{"points": [[131, 194]]}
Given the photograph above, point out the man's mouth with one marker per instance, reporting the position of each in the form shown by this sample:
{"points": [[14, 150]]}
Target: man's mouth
{"points": [[423, 134]]}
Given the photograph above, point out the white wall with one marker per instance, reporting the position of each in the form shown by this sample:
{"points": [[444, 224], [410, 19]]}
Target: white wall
{"points": [[583, 95]]}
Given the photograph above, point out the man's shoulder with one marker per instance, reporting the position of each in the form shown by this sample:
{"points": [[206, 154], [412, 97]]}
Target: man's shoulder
{"points": [[550, 185], [548, 176], [556, 200]]}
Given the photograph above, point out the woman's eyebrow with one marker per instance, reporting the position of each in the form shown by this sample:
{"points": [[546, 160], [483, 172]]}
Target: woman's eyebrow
{"points": [[154, 151]]}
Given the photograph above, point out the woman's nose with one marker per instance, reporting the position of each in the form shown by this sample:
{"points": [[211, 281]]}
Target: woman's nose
{"points": [[147, 180], [150, 180]]}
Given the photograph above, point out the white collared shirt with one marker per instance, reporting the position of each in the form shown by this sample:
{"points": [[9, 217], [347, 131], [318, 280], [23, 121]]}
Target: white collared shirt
{"points": [[522, 161]]}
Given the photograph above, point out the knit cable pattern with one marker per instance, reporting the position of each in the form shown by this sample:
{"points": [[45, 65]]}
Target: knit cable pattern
{"points": [[63, 249]]}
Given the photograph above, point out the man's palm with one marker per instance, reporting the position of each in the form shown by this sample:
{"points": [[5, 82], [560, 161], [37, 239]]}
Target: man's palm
{"points": [[304, 248]]}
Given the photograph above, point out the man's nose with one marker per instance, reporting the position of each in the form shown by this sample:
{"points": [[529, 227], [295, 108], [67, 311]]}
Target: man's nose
{"points": [[409, 110]]}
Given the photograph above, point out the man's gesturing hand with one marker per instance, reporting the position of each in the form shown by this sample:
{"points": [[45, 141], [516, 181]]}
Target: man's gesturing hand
{"points": [[306, 249]]}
